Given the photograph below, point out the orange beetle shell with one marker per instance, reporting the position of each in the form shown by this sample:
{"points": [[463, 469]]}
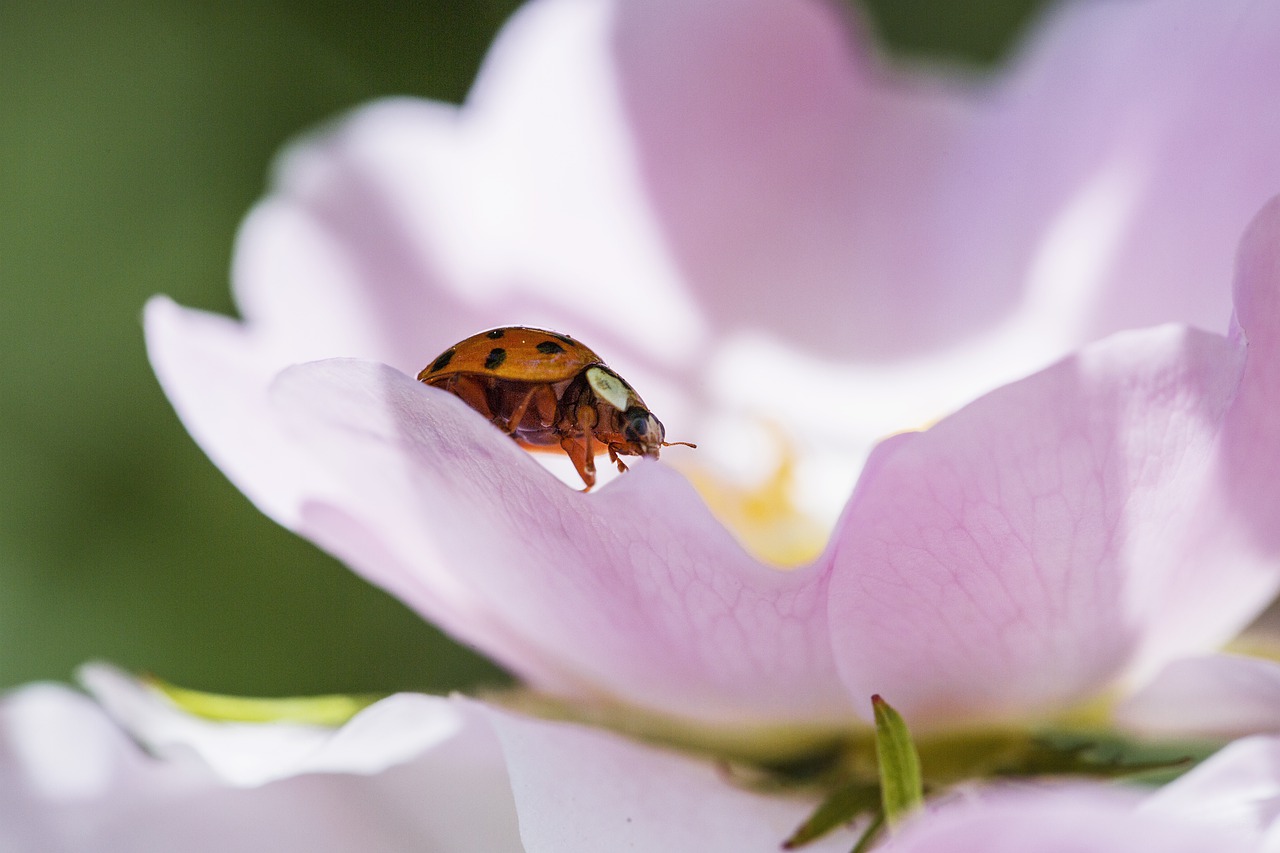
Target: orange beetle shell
{"points": [[549, 392], [516, 353]]}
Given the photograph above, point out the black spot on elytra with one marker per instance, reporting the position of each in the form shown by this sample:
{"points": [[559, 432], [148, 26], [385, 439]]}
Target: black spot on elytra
{"points": [[568, 340], [497, 355], [549, 348], [443, 360], [494, 334]]}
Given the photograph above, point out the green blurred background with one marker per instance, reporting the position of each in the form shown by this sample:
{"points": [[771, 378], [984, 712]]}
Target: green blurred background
{"points": [[134, 135]]}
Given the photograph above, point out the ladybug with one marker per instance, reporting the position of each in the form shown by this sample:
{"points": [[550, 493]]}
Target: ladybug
{"points": [[548, 392]]}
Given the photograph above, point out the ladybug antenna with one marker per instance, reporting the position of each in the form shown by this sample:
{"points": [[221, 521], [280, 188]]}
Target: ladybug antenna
{"points": [[681, 443]]}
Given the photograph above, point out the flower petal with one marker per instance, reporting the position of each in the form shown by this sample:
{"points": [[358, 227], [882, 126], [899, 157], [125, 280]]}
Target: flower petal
{"points": [[215, 374], [73, 781], [635, 591], [1237, 789], [1059, 532], [1253, 426], [1211, 695], [1032, 547], [1071, 819], [1129, 146], [390, 732], [795, 188], [351, 254], [1170, 102], [583, 790], [887, 245], [413, 224]]}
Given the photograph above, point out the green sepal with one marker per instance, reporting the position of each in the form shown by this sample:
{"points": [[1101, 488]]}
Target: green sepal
{"points": [[1107, 756], [329, 710], [870, 835], [844, 805], [901, 784]]}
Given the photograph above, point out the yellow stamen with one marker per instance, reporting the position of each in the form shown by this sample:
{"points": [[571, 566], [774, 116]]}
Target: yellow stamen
{"points": [[764, 518]]}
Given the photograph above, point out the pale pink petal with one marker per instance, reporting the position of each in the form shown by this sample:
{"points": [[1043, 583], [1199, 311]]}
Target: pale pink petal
{"points": [[833, 213], [216, 375], [1168, 110], [1238, 789], [793, 174], [72, 781], [390, 732], [331, 261], [1098, 519], [68, 777], [411, 224], [342, 257], [581, 791], [1073, 819], [1253, 425], [796, 184], [549, 204], [1030, 548], [645, 150], [1210, 695], [633, 591]]}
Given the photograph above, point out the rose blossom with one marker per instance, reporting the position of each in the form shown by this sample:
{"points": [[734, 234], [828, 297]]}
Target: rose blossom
{"points": [[768, 230]]}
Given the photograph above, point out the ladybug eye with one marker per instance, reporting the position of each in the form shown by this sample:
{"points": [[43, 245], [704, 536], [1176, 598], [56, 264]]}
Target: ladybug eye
{"points": [[641, 426], [637, 424]]}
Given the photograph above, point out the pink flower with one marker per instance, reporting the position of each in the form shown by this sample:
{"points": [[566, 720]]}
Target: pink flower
{"points": [[427, 773], [765, 229]]}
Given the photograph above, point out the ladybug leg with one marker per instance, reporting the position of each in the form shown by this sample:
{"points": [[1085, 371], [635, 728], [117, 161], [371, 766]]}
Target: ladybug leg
{"points": [[613, 457], [545, 405], [580, 453], [517, 414], [579, 442], [473, 394]]}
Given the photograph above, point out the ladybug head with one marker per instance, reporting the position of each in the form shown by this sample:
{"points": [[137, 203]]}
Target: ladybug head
{"points": [[643, 431]]}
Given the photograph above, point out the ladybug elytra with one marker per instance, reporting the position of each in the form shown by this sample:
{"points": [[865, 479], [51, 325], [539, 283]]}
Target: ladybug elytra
{"points": [[549, 392]]}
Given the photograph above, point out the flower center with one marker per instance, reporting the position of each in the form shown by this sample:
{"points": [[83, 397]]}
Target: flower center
{"points": [[763, 518]]}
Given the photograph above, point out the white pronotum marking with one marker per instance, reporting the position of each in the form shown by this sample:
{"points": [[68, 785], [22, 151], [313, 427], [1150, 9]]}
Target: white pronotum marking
{"points": [[609, 387]]}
